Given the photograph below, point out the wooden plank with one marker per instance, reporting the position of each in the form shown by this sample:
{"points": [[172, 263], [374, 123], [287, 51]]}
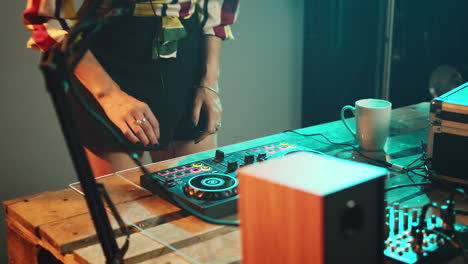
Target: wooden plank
{"points": [[170, 258], [77, 232], [26, 247], [410, 118], [46, 208], [17, 200], [120, 190], [225, 249], [180, 233], [21, 247]]}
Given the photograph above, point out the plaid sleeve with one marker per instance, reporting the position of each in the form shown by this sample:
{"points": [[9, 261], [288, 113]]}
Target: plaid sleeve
{"points": [[220, 15], [49, 21]]}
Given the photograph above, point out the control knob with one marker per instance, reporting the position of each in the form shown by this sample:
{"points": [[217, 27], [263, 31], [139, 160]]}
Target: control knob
{"points": [[249, 159], [219, 156], [232, 166]]}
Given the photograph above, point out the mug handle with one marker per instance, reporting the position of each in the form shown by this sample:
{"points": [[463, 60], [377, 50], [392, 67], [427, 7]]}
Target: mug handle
{"points": [[343, 110]]}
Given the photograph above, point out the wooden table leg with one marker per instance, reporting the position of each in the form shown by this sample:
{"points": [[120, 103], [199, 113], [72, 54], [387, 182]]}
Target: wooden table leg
{"points": [[21, 249]]}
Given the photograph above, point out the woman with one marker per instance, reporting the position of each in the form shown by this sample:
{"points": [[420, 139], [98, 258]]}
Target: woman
{"points": [[153, 74]]}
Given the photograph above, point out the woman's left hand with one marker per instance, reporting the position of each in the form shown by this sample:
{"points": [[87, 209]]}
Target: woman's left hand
{"points": [[209, 101]]}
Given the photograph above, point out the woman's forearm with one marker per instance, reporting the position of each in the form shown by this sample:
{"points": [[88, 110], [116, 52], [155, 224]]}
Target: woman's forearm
{"points": [[212, 50], [93, 76]]}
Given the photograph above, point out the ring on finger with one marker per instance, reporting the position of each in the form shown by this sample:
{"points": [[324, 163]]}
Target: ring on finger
{"points": [[140, 121]]}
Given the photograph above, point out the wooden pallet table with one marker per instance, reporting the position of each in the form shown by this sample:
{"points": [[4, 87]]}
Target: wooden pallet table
{"points": [[55, 226]]}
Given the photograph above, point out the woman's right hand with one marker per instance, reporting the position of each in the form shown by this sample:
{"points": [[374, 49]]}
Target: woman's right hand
{"points": [[134, 118]]}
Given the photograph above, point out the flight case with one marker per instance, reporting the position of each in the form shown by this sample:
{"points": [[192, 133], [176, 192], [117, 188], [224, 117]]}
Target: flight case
{"points": [[447, 148]]}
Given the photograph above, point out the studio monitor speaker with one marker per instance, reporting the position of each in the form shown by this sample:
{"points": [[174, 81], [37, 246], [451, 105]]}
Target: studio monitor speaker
{"points": [[309, 208]]}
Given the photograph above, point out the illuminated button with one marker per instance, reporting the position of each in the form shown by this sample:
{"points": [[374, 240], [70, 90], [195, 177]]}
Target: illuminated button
{"points": [[425, 243], [197, 165], [292, 146], [171, 170], [163, 173], [180, 169], [187, 167], [205, 168], [388, 242], [196, 170], [270, 146], [270, 151], [284, 143], [169, 177]]}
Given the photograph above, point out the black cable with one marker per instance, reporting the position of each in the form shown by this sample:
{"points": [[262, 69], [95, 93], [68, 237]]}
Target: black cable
{"points": [[152, 8], [446, 237], [385, 163], [389, 165], [450, 218], [407, 173], [414, 161], [461, 211], [407, 185], [462, 246]]}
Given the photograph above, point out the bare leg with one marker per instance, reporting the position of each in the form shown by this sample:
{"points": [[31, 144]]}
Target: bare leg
{"points": [[182, 148], [104, 163]]}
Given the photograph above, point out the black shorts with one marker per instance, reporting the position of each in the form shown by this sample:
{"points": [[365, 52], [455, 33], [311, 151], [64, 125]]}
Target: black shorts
{"points": [[124, 49]]}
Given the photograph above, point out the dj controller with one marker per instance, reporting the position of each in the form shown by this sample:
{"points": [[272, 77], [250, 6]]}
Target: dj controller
{"points": [[210, 186]]}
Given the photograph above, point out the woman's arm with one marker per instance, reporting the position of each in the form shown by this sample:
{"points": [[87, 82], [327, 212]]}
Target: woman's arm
{"points": [[49, 23], [122, 109], [206, 99], [218, 15]]}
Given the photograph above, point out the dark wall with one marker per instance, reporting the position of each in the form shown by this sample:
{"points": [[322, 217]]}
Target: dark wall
{"points": [[343, 55], [427, 34], [341, 51]]}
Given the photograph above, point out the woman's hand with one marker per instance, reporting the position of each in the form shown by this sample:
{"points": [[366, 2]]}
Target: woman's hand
{"points": [[134, 118], [207, 100]]}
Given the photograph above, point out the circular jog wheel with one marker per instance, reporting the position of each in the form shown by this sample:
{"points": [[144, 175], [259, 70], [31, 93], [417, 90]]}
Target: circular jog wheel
{"points": [[211, 186]]}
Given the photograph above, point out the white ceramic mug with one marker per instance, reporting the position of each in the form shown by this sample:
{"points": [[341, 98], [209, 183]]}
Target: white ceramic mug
{"points": [[372, 122]]}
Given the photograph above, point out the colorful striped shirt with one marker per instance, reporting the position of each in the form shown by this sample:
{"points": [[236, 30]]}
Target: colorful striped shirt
{"points": [[50, 20]]}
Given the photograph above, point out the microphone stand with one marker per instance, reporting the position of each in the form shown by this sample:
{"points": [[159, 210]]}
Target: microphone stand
{"points": [[53, 67], [57, 70]]}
